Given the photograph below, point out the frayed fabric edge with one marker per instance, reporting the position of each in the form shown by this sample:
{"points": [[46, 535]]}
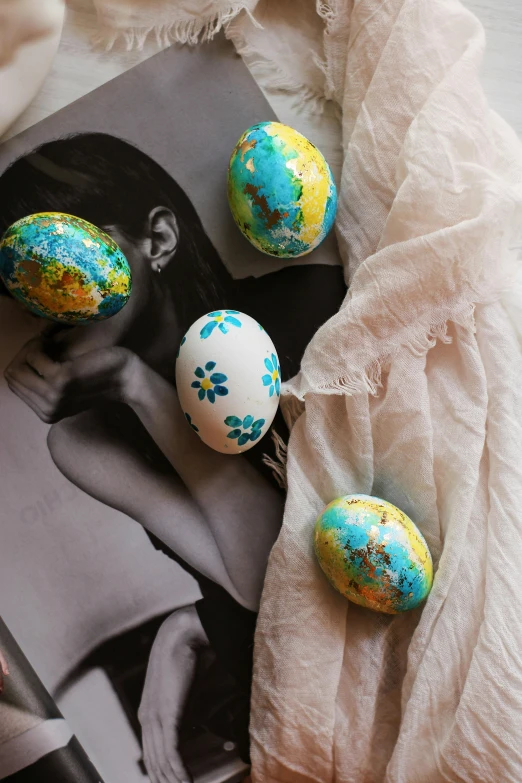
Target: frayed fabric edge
{"points": [[367, 380], [291, 408], [278, 464], [192, 31], [329, 15], [273, 77], [189, 31]]}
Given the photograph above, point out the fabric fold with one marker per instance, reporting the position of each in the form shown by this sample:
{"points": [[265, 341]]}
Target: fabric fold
{"points": [[401, 400]]}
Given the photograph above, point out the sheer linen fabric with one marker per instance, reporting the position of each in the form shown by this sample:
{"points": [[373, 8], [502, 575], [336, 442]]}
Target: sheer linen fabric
{"points": [[29, 36], [412, 392]]}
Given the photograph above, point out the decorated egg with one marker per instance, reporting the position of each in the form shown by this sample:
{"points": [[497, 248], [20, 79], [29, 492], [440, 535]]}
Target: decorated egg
{"points": [[373, 554], [64, 268], [228, 380], [281, 191]]}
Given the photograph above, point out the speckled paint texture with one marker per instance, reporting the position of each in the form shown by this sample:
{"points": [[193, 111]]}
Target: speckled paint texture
{"points": [[373, 554], [281, 191], [64, 268]]}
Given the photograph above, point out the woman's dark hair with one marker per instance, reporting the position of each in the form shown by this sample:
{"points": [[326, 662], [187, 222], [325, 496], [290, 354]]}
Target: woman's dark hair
{"points": [[109, 182]]}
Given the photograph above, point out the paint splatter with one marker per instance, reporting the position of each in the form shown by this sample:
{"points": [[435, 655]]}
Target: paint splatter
{"points": [[373, 554], [281, 191], [64, 268]]}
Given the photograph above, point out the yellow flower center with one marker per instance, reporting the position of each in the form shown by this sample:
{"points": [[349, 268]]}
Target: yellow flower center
{"points": [[206, 384], [218, 318], [275, 375]]}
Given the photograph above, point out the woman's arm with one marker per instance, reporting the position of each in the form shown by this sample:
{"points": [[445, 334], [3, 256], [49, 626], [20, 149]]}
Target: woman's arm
{"points": [[170, 673], [97, 459], [243, 510], [100, 459]]}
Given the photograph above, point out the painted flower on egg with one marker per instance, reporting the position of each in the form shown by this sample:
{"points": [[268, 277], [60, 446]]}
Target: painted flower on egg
{"points": [[244, 429], [189, 419], [209, 387], [183, 341], [217, 319], [273, 378], [219, 380]]}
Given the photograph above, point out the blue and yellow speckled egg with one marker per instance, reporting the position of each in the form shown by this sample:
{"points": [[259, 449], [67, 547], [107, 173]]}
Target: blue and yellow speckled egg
{"points": [[281, 191], [64, 268], [373, 554]]}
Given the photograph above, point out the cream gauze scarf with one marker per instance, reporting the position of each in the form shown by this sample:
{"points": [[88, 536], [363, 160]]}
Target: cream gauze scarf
{"points": [[412, 392]]}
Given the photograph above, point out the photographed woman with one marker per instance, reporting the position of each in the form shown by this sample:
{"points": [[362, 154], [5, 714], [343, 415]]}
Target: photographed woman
{"points": [[118, 431]]}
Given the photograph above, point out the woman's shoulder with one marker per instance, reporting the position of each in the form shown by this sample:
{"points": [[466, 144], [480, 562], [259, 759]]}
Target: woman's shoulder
{"points": [[79, 445], [95, 451], [64, 435]]}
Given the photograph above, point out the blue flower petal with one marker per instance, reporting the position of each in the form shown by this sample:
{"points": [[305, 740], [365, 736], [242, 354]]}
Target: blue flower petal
{"points": [[255, 434], [278, 386], [199, 373], [207, 330], [274, 361], [258, 424], [196, 385], [244, 438], [214, 313], [247, 422], [183, 341], [269, 366], [231, 320], [223, 328], [233, 421], [267, 380], [221, 391], [271, 391], [218, 377], [211, 396], [234, 434], [210, 366], [189, 419], [201, 394], [233, 312]]}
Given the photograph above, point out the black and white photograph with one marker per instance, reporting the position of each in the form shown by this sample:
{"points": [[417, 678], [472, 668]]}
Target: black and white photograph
{"points": [[36, 743], [133, 556]]}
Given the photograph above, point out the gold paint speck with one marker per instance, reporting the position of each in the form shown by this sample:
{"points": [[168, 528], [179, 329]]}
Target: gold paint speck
{"points": [[245, 147]]}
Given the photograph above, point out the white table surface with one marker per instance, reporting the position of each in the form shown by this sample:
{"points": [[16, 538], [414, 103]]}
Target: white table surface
{"points": [[80, 68]]}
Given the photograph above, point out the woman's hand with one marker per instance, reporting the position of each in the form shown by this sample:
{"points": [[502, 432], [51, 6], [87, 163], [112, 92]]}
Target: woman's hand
{"points": [[169, 676], [54, 390]]}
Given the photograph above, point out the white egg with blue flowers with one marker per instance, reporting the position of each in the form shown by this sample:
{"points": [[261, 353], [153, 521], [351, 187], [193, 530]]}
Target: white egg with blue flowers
{"points": [[228, 380]]}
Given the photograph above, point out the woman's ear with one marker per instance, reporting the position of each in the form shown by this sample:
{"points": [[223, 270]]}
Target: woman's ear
{"points": [[164, 237]]}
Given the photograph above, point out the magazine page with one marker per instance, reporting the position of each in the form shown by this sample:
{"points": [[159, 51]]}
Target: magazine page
{"points": [[132, 557], [36, 744]]}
